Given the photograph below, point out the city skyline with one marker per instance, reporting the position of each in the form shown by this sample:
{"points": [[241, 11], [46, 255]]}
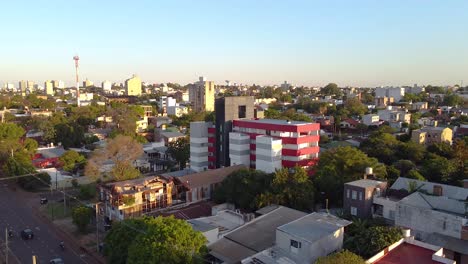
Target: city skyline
{"points": [[363, 43]]}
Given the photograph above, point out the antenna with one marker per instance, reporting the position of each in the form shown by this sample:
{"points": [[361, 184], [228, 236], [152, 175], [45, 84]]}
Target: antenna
{"points": [[76, 59]]}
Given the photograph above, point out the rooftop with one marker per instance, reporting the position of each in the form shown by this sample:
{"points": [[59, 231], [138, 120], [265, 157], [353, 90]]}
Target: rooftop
{"points": [[453, 192], [365, 183], [315, 226], [407, 253], [276, 121], [208, 177]]}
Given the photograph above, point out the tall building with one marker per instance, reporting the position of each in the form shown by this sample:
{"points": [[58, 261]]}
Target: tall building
{"points": [[264, 144], [22, 87], [202, 95], [49, 87], [30, 85], [106, 86], [199, 145], [396, 92], [133, 86], [228, 109], [87, 83]]}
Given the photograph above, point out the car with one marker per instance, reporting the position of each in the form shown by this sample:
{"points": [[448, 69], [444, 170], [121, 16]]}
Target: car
{"points": [[27, 234], [56, 261]]}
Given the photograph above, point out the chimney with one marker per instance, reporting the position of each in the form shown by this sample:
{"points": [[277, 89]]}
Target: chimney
{"points": [[437, 190], [465, 183]]}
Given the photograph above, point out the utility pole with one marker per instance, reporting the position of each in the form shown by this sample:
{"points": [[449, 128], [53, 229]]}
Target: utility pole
{"points": [[6, 245], [97, 227]]}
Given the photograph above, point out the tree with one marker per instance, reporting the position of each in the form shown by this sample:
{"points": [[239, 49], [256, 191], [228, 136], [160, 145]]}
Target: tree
{"points": [[154, 240], [242, 187], [123, 151], [370, 241], [179, 150], [70, 159], [340, 165], [411, 151], [355, 107], [438, 169], [381, 145], [293, 189], [453, 100], [331, 89], [414, 174], [81, 216], [342, 257]]}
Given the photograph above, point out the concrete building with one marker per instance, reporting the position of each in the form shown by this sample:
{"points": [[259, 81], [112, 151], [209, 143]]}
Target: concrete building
{"points": [[304, 240], [165, 102], [370, 119], [228, 109], [87, 83], [357, 200], [299, 141], [23, 87], [435, 213], [30, 85], [431, 135], [49, 87], [177, 110], [239, 150], [202, 95], [396, 92], [106, 86], [384, 101], [60, 84], [133, 86], [199, 149], [267, 153]]}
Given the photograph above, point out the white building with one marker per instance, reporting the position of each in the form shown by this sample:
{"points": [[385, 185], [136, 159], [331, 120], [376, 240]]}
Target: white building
{"points": [[396, 92], [165, 102], [106, 86], [199, 145], [370, 119], [239, 149], [177, 110], [268, 153]]}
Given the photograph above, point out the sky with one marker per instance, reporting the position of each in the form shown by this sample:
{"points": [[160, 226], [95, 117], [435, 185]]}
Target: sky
{"points": [[356, 43]]}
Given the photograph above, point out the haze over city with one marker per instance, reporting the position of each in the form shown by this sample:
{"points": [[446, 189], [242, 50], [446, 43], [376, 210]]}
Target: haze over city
{"points": [[361, 43]]}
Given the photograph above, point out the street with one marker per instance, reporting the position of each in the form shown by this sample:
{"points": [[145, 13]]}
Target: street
{"points": [[16, 213]]}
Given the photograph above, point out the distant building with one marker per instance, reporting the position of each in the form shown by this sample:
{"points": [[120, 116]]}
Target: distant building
{"points": [[30, 85], [199, 149], [23, 87], [106, 86], [87, 83], [133, 86], [49, 87], [396, 92], [202, 95], [431, 135], [370, 119], [177, 110], [383, 101]]}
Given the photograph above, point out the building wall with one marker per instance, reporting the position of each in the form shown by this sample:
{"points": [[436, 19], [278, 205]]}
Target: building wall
{"points": [[363, 201], [428, 221], [199, 145], [369, 119], [133, 86], [389, 207], [202, 95], [268, 154], [239, 149], [49, 88]]}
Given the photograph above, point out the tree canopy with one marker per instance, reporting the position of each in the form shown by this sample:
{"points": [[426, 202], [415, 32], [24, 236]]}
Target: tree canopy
{"points": [[154, 240], [342, 257], [70, 159], [179, 150]]}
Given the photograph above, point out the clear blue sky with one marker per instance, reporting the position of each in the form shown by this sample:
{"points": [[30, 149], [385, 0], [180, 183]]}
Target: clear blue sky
{"points": [[375, 42]]}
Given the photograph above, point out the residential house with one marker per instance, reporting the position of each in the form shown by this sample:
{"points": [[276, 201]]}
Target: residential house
{"points": [[134, 198], [349, 123], [431, 135], [381, 102], [435, 213], [48, 157], [357, 200], [370, 119], [304, 240], [418, 106]]}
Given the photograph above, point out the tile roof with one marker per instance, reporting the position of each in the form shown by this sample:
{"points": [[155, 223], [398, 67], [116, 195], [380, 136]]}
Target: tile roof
{"points": [[407, 253]]}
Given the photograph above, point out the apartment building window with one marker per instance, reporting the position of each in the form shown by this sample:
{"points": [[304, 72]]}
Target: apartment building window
{"points": [[353, 211], [354, 195], [242, 111], [360, 196], [295, 246], [347, 193]]}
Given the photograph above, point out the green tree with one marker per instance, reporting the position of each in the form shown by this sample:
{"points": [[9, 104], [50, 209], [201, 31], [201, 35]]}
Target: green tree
{"points": [[154, 240], [70, 159], [411, 151], [414, 174], [381, 145], [179, 150], [355, 107], [10, 131], [442, 149], [340, 165], [242, 187], [453, 100], [331, 89], [81, 216], [438, 169], [342, 257], [372, 240]]}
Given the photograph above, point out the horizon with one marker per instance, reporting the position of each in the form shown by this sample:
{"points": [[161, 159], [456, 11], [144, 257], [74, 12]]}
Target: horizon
{"points": [[360, 44]]}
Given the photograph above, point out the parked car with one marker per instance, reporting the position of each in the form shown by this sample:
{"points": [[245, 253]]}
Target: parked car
{"points": [[56, 261], [27, 234]]}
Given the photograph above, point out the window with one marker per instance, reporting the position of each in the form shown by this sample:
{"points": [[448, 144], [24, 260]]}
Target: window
{"points": [[295, 246], [268, 132], [242, 111], [360, 196], [353, 211], [391, 215], [347, 193], [354, 195]]}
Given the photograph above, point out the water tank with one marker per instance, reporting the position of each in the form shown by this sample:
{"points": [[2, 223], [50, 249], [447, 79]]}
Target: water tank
{"points": [[369, 171], [406, 232]]}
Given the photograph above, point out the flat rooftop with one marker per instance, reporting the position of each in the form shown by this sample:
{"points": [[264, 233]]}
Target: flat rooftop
{"points": [[408, 253], [276, 121], [364, 183]]}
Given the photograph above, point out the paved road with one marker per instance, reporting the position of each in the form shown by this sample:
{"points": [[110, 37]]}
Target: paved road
{"points": [[16, 213]]}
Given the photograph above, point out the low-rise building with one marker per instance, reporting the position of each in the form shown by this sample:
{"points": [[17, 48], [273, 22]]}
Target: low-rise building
{"points": [[431, 135], [370, 119]]}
